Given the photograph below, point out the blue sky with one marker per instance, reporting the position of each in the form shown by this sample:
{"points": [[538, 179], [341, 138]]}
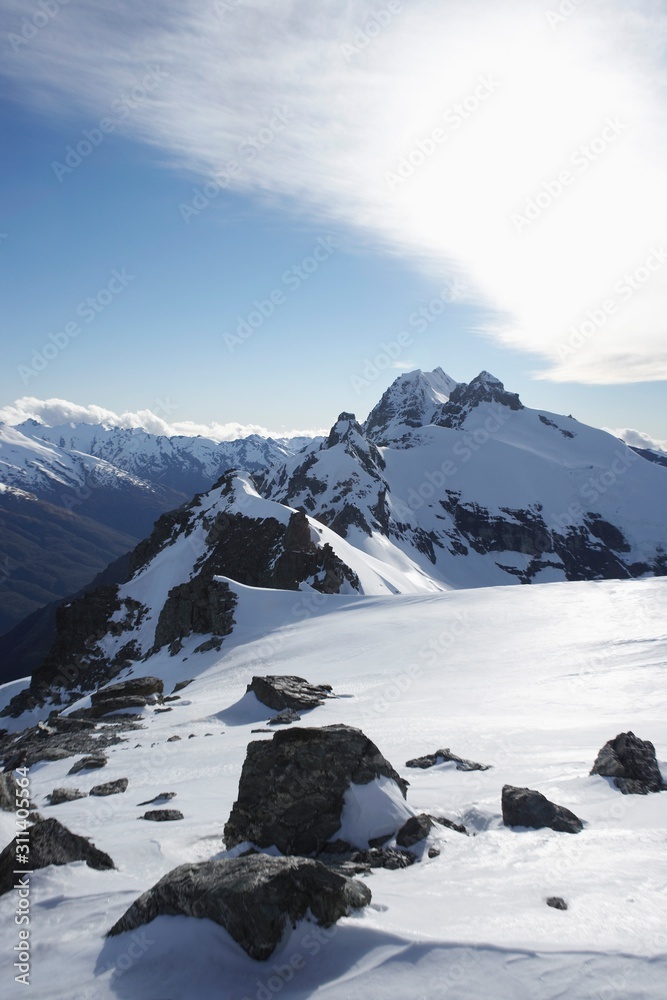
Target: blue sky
{"points": [[351, 218]]}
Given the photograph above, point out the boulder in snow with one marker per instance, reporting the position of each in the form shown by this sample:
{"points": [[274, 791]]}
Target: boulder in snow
{"points": [[60, 795], [280, 692], [110, 787], [255, 898], [89, 763], [293, 789], [526, 807], [50, 843], [632, 764]]}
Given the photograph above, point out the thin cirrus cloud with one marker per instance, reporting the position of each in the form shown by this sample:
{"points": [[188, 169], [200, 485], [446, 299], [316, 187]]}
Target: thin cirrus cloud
{"points": [[564, 111], [59, 412]]}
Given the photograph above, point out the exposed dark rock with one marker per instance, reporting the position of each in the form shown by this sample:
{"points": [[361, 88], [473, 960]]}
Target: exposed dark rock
{"points": [[433, 852], [414, 830], [89, 763], [383, 857], [173, 739], [285, 718], [68, 724], [292, 787], [485, 388], [144, 686], [162, 815], [50, 843], [557, 903], [110, 787], [171, 697], [159, 710], [9, 792], [254, 898], [179, 685], [39, 743], [202, 605], [450, 824], [526, 807], [442, 757], [278, 692], [162, 797], [632, 764], [111, 706], [59, 795]]}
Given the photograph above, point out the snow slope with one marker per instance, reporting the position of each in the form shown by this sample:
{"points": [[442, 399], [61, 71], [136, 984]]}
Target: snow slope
{"points": [[532, 680]]}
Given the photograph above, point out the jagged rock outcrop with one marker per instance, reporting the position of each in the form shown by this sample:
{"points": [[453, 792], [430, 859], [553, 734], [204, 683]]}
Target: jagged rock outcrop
{"points": [[632, 764], [255, 898], [286, 691], [527, 807], [485, 388], [292, 788], [201, 605], [443, 757], [50, 843], [413, 400]]}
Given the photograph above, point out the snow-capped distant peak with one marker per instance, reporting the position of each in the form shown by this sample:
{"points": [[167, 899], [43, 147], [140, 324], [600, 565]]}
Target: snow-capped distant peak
{"points": [[411, 401]]}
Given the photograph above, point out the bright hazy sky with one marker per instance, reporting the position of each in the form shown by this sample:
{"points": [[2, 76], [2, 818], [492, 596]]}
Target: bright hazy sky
{"points": [[262, 211]]}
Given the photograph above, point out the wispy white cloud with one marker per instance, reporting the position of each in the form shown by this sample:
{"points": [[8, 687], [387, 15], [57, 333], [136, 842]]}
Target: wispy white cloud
{"points": [[58, 412], [637, 439], [559, 123]]}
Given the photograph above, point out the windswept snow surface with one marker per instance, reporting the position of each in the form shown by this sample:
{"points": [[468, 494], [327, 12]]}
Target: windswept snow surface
{"points": [[532, 680]]}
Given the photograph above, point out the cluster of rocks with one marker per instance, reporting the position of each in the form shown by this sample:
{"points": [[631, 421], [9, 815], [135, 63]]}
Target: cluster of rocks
{"points": [[61, 737], [292, 797]]}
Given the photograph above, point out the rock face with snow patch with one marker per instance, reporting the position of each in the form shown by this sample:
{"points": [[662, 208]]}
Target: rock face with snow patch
{"points": [[632, 764], [51, 843], [286, 691], [292, 788], [255, 898], [443, 757], [526, 807]]}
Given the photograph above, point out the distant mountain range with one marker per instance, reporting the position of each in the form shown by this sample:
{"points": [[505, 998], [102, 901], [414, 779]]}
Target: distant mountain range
{"points": [[445, 485], [75, 497]]}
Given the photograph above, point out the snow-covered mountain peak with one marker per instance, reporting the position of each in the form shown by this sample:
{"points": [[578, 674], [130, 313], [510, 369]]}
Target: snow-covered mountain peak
{"points": [[411, 401], [465, 397]]}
